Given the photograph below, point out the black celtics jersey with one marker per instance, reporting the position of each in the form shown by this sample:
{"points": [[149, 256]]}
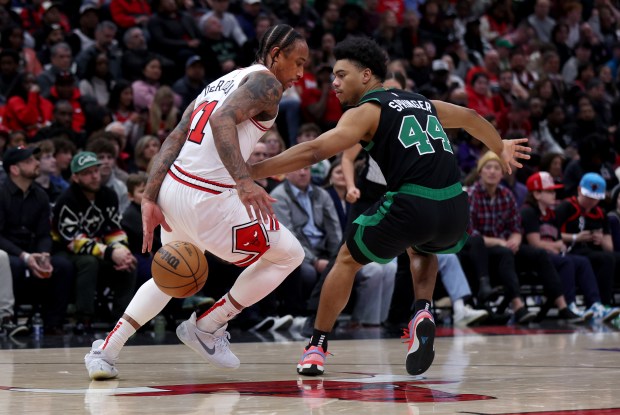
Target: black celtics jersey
{"points": [[410, 145]]}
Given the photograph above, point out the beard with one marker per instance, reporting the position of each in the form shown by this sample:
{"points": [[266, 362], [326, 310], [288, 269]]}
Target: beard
{"points": [[90, 187]]}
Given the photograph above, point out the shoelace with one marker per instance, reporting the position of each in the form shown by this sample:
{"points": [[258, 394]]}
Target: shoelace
{"points": [[222, 341]]}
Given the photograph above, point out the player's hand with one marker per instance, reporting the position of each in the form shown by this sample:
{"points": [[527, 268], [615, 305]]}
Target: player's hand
{"points": [[513, 150], [151, 217], [353, 194], [256, 200]]}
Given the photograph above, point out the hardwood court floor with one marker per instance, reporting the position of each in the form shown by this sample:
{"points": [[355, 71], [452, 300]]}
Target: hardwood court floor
{"points": [[475, 372]]}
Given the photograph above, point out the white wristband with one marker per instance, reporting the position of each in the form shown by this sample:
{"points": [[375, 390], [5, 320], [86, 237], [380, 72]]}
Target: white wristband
{"points": [[26, 257], [574, 237]]}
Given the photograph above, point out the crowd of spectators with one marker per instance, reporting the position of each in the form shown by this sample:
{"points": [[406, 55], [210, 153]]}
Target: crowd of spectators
{"points": [[109, 80]]}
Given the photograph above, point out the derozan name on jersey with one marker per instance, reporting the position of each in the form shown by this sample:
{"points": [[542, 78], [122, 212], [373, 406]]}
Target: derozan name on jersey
{"points": [[400, 104], [224, 86]]}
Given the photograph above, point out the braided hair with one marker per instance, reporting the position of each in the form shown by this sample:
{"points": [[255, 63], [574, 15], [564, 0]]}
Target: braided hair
{"points": [[281, 36]]}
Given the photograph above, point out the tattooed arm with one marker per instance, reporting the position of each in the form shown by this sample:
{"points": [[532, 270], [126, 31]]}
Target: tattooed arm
{"points": [[258, 96], [170, 149]]}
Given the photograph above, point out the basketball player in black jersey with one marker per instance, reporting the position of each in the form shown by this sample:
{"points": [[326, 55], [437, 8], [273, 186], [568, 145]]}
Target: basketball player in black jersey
{"points": [[424, 211]]}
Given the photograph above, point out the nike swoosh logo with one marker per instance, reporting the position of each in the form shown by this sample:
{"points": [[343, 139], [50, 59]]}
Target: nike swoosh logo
{"points": [[204, 346]]}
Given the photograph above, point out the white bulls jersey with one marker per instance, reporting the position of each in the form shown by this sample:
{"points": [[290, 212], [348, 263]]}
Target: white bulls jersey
{"points": [[198, 158]]}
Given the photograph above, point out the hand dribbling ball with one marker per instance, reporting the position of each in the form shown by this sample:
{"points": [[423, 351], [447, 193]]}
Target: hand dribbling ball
{"points": [[180, 269]]}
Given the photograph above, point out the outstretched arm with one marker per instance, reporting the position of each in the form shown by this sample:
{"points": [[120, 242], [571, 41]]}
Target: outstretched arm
{"points": [[259, 94], [170, 149], [454, 116], [356, 124]]}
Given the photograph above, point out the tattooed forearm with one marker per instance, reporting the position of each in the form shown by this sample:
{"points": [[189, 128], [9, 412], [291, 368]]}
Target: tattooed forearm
{"points": [[168, 153], [259, 95]]}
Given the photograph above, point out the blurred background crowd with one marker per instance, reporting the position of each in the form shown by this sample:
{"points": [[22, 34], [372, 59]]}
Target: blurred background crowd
{"points": [[110, 79]]}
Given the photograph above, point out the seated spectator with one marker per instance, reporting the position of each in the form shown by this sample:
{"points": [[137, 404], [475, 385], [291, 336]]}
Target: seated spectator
{"points": [[61, 126], [97, 81], [123, 110], [47, 169], [594, 156], [320, 105], [103, 146], [309, 212], [146, 148], [64, 152], [118, 135], [82, 37], [61, 61], [136, 54], [86, 229], [104, 43], [132, 225], [13, 39], [192, 84], [26, 109], [496, 240], [478, 95], [225, 49], [230, 26], [455, 283], [144, 89], [65, 89], [275, 143], [541, 231], [586, 232], [9, 72], [129, 13], [260, 154], [163, 113], [8, 324], [320, 170], [613, 216], [38, 276]]}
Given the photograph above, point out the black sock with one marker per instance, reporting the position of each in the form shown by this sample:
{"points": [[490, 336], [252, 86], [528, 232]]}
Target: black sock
{"points": [[421, 305], [319, 338]]}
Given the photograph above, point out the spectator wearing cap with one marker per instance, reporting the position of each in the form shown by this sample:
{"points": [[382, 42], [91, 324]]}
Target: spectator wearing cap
{"points": [[26, 109], [13, 38], [495, 242], [38, 277], [104, 43], [440, 76], [61, 60], [541, 231], [86, 229], [83, 36], [247, 18], [585, 231], [230, 26], [129, 13], [192, 83]]}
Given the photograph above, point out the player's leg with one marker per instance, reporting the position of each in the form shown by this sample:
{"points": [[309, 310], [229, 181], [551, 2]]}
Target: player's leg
{"points": [[148, 301], [421, 351], [255, 282]]}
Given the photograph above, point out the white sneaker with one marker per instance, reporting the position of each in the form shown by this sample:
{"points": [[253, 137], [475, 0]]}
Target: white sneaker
{"points": [[469, 316], [282, 323], [214, 348], [100, 366], [586, 315]]}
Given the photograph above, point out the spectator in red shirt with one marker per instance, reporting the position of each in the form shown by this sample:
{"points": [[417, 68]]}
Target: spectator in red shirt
{"points": [[26, 109], [479, 95], [129, 13], [321, 105]]}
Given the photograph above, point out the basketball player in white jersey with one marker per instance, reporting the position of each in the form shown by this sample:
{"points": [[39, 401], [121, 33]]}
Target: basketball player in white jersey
{"points": [[200, 191]]}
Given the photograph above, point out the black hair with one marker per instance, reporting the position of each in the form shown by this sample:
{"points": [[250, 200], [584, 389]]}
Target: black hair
{"points": [[282, 36], [365, 53], [115, 94]]}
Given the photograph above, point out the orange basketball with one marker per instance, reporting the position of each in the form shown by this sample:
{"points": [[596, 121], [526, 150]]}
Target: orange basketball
{"points": [[180, 269]]}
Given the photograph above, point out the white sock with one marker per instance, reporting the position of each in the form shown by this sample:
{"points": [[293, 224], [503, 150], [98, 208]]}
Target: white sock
{"points": [[458, 306], [218, 315], [117, 338]]}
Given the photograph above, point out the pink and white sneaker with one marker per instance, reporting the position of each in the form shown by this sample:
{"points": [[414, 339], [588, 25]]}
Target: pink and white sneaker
{"points": [[421, 338]]}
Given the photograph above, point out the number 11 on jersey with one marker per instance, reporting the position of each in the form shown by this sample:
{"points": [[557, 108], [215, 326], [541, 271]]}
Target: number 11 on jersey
{"points": [[198, 124]]}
